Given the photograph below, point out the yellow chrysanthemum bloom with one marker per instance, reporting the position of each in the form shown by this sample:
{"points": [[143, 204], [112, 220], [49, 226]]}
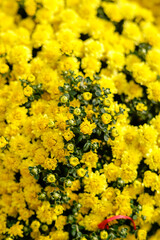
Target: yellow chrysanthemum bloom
{"points": [[86, 127]]}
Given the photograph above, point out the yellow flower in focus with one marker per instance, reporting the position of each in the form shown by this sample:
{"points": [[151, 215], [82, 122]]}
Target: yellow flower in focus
{"points": [[68, 135], [74, 161], [87, 96], [106, 118], [51, 178], [70, 147], [91, 221], [77, 111], [50, 163], [106, 102], [81, 172], [86, 127], [95, 183], [90, 159], [111, 171], [151, 180]]}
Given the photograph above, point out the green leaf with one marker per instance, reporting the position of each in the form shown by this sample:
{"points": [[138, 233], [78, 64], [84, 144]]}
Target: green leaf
{"points": [[86, 146], [102, 110], [106, 137], [134, 217], [94, 102], [61, 89], [98, 93], [73, 232], [80, 138]]}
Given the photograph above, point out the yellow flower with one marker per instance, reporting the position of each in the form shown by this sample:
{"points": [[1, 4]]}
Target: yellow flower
{"points": [[151, 180], [44, 228], [106, 118], [68, 135], [3, 142], [91, 221], [132, 31], [31, 78], [152, 159], [153, 91], [114, 132], [60, 222], [93, 48], [49, 163], [58, 209], [35, 225], [28, 91], [16, 230], [30, 7], [111, 171], [45, 213], [153, 59], [128, 172], [59, 235], [52, 141], [106, 102], [4, 68], [142, 234], [77, 111], [86, 127], [64, 99], [115, 60], [51, 178], [112, 11], [19, 54], [90, 65], [90, 159], [143, 74], [141, 107], [70, 147], [74, 161], [104, 234], [87, 96], [81, 172], [95, 183]]}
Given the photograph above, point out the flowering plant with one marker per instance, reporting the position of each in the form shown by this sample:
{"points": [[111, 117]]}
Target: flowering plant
{"points": [[79, 120]]}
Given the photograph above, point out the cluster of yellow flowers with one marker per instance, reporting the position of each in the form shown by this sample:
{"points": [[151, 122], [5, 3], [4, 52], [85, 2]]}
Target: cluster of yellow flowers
{"points": [[79, 119], [154, 6]]}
